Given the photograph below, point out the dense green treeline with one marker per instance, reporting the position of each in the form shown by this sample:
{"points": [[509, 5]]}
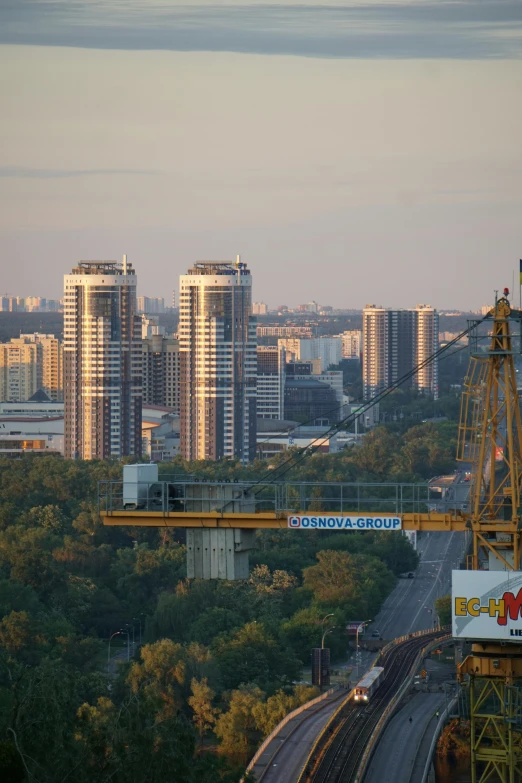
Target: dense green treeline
{"points": [[221, 662]]}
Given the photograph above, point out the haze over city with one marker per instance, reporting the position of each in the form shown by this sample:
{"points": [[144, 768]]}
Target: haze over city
{"points": [[350, 153]]}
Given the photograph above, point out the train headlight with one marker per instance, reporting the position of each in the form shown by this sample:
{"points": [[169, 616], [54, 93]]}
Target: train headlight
{"points": [[365, 698], [356, 697]]}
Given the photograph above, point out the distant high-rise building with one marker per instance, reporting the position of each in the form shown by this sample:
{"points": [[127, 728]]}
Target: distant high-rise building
{"points": [[271, 362], [161, 369], [31, 304], [29, 363], [49, 363], [259, 308], [18, 370], [309, 307], [426, 343], [327, 349], [151, 304], [396, 341], [284, 331], [351, 344], [102, 361], [217, 337]]}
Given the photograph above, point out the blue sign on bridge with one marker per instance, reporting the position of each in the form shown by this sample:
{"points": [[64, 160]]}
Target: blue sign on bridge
{"points": [[339, 522]]}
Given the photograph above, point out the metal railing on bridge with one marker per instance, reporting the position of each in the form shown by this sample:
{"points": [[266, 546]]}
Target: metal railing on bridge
{"points": [[322, 497]]}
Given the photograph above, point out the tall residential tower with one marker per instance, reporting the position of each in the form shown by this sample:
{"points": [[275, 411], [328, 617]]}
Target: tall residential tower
{"points": [[217, 341], [396, 341], [102, 361]]}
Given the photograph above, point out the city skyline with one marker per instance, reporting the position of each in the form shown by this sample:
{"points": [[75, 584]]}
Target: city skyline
{"points": [[338, 149]]}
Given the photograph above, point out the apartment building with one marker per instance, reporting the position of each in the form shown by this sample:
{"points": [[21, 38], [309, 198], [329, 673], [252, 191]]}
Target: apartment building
{"points": [[29, 363], [217, 343], [271, 362], [18, 370], [396, 341], [161, 371], [351, 342], [327, 349], [151, 304], [102, 361]]}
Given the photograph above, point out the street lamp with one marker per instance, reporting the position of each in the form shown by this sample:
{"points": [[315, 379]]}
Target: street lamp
{"points": [[357, 655], [329, 630], [126, 630], [326, 618], [109, 652], [138, 620]]}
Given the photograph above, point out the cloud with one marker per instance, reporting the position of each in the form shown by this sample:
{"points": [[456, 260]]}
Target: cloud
{"points": [[461, 29], [23, 172]]}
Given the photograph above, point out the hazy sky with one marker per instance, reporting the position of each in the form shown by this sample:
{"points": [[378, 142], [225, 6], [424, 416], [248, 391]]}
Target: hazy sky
{"points": [[352, 152]]}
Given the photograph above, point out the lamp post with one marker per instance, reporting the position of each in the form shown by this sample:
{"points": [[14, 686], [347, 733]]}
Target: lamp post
{"points": [[357, 654], [109, 651], [329, 630], [126, 630], [138, 620], [326, 618]]}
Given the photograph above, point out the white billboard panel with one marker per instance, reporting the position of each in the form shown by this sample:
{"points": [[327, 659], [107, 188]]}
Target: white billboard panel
{"points": [[487, 605], [340, 522]]}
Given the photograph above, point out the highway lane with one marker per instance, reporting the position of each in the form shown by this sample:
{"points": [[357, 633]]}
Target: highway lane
{"points": [[411, 606], [287, 764], [393, 760]]}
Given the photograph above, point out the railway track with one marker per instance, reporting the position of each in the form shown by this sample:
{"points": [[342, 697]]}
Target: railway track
{"points": [[340, 755]]}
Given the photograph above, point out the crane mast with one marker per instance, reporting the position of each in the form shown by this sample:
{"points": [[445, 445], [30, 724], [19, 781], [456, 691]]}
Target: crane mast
{"points": [[490, 439]]}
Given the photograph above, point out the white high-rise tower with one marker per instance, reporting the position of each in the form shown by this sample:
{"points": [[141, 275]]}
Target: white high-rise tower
{"points": [[217, 341], [102, 361]]}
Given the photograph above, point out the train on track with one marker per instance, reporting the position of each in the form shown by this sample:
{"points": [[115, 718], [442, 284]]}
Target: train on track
{"points": [[366, 687]]}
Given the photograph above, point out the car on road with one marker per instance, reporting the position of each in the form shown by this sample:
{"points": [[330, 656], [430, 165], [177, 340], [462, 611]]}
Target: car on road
{"points": [[376, 634]]}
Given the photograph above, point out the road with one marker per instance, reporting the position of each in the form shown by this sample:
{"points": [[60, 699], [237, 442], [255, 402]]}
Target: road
{"points": [[411, 606], [300, 735], [394, 758]]}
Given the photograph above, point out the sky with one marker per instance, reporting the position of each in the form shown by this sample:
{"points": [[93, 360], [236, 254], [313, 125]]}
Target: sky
{"points": [[350, 152]]}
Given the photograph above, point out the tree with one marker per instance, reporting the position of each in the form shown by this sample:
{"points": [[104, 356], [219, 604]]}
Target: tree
{"points": [[269, 714], [160, 675], [15, 631], [50, 517], [204, 714], [443, 609], [356, 583], [213, 622], [376, 453], [253, 655], [237, 728]]}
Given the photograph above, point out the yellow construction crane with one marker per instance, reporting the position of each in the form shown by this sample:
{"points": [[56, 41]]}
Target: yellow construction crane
{"points": [[221, 524]]}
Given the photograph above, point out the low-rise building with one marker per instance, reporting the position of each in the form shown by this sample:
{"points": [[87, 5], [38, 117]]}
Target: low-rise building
{"points": [[23, 435], [160, 430]]}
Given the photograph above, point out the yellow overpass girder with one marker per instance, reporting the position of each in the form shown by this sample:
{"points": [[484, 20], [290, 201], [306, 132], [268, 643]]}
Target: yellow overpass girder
{"points": [[432, 522]]}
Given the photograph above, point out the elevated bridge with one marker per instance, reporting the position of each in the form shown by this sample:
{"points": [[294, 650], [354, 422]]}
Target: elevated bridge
{"points": [[221, 518]]}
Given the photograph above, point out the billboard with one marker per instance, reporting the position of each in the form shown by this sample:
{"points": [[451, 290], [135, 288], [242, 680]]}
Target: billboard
{"points": [[487, 605], [341, 522], [352, 627]]}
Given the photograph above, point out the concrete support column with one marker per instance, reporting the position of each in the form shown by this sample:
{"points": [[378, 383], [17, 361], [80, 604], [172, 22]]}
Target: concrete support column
{"points": [[215, 553]]}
